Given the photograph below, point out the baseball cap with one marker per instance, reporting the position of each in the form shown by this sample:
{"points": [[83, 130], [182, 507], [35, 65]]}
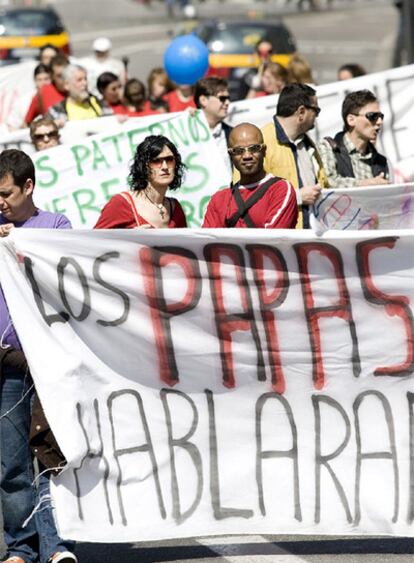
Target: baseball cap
{"points": [[102, 44]]}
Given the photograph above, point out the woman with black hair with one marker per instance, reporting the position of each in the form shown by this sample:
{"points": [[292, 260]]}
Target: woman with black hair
{"points": [[110, 88], [157, 167]]}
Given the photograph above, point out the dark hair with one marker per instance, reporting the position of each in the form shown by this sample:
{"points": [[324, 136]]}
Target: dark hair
{"points": [[264, 39], [354, 101], [353, 68], [58, 60], [41, 68], [209, 86], [48, 121], [47, 46], [146, 151], [104, 80], [19, 165], [292, 97], [127, 95]]}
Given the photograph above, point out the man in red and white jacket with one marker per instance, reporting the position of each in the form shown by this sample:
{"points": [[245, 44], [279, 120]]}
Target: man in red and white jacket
{"points": [[258, 200]]}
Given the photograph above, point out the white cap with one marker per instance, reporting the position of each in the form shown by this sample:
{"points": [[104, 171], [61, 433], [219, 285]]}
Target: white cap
{"points": [[102, 44]]}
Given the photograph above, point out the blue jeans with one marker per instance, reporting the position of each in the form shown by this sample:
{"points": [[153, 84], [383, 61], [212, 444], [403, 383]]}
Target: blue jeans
{"points": [[18, 495]]}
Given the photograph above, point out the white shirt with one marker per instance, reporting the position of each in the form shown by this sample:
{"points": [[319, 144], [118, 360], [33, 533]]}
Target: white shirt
{"points": [[219, 137], [96, 67]]}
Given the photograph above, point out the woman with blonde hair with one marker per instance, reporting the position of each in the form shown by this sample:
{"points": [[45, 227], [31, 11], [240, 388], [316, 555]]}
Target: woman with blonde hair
{"points": [[299, 70], [158, 85], [274, 78]]}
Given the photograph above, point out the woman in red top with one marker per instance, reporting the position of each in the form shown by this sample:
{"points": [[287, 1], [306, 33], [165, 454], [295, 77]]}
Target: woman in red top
{"points": [[157, 167], [110, 88]]}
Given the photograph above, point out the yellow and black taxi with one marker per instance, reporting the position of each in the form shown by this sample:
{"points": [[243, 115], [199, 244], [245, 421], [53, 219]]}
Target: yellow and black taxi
{"points": [[232, 47], [24, 30]]}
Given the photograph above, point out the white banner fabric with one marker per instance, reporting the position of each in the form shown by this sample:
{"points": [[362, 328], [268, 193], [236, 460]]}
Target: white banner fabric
{"points": [[221, 381], [371, 208], [16, 85], [77, 179]]}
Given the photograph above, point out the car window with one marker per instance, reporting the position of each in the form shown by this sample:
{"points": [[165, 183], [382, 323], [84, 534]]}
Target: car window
{"points": [[242, 38], [29, 23]]}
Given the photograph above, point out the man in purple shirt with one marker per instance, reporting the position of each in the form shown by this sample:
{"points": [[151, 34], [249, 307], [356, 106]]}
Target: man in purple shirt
{"points": [[38, 540]]}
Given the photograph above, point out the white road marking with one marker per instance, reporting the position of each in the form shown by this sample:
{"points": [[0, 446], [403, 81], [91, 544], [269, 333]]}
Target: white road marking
{"points": [[137, 30], [327, 46], [153, 46]]}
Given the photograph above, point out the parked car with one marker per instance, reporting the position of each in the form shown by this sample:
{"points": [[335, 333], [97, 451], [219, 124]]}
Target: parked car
{"points": [[232, 47], [24, 30]]}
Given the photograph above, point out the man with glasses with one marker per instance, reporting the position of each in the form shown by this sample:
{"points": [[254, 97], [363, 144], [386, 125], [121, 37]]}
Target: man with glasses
{"points": [[44, 133], [258, 200], [350, 158], [211, 95], [290, 153]]}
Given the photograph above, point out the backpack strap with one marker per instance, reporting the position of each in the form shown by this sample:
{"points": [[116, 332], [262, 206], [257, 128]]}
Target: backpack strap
{"points": [[244, 206], [342, 158]]}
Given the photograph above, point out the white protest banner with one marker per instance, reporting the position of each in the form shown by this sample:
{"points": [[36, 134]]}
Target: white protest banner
{"points": [[394, 91], [221, 381], [77, 179], [16, 81], [19, 139], [375, 207]]}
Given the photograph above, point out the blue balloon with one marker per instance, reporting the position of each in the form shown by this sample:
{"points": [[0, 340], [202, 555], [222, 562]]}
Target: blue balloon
{"points": [[186, 59]]}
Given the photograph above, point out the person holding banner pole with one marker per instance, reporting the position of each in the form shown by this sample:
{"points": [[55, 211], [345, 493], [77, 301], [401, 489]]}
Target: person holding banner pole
{"points": [[350, 158], [290, 152], [258, 200], [157, 167], [29, 528]]}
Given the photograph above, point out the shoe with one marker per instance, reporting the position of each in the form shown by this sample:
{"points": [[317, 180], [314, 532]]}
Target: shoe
{"points": [[63, 557], [14, 559]]}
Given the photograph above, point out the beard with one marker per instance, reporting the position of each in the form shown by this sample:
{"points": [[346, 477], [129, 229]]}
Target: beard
{"points": [[81, 96]]}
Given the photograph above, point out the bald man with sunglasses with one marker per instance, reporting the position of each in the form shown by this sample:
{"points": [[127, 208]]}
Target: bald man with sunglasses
{"points": [[350, 159], [258, 199]]}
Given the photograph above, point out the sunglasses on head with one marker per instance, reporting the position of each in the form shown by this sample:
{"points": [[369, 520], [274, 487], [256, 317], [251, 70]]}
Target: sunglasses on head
{"points": [[159, 160], [372, 116], [42, 136], [238, 151]]}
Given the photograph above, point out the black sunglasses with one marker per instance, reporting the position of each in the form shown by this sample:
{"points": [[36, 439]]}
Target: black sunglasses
{"points": [[316, 109], [239, 151], [372, 116], [42, 136], [223, 99]]}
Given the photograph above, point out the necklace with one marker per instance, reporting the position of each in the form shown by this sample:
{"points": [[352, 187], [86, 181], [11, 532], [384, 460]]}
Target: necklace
{"points": [[159, 206]]}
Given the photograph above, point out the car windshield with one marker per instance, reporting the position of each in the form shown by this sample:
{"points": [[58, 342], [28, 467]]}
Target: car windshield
{"points": [[28, 23], [242, 38]]}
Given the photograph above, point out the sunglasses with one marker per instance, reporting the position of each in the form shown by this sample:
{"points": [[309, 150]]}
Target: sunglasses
{"points": [[316, 109], [42, 136], [238, 151], [159, 160], [223, 99], [372, 116]]}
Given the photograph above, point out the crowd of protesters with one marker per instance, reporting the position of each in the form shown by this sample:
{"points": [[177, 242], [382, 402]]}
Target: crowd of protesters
{"points": [[278, 172]]}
